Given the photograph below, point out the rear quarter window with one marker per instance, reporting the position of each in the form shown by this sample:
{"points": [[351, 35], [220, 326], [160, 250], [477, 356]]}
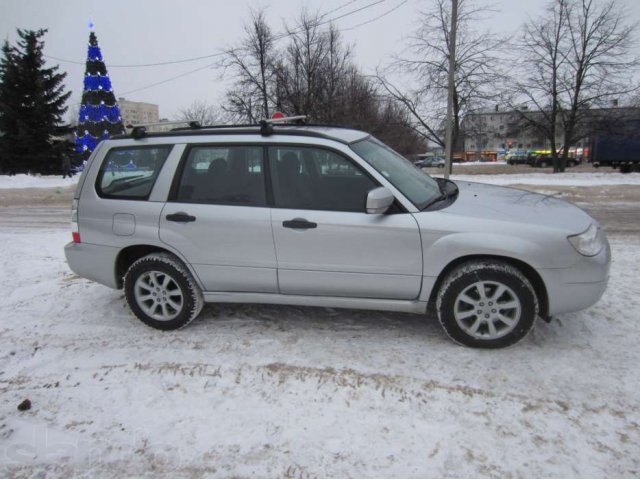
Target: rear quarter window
{"points": [[130, 172]]}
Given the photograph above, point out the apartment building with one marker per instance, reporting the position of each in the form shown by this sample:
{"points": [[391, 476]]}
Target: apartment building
{"points": [[138, 112], [499, 131]]}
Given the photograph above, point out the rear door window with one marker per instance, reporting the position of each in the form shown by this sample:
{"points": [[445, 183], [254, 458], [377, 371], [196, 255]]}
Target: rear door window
{"points": [[223, 175], [131, 172]]}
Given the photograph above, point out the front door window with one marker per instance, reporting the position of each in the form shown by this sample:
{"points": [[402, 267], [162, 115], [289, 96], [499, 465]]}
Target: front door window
{"points": [[310, 178]]}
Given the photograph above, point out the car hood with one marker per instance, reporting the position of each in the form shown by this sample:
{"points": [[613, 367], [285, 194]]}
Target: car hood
{"points": [[482, 201]]}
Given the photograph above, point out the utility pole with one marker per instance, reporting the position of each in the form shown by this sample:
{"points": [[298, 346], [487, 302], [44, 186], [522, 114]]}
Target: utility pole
{"points": [[452, 67]]}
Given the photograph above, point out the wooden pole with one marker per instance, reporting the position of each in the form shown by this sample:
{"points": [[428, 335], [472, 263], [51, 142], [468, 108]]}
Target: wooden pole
{"points": [[452, 76]]}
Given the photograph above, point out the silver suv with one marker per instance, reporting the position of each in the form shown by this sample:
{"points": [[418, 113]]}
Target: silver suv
{"points": [[324, 216]]}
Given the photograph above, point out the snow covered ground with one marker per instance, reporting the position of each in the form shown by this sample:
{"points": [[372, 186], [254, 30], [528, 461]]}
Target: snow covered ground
{"points": [[489, 164], [565, 179], [36, 181], [603, 178], [304, 392]]}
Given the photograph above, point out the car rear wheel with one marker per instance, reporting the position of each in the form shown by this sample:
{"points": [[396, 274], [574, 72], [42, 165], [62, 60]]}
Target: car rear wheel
{"points": [[543, 164], [486, 305], [161, 292]]}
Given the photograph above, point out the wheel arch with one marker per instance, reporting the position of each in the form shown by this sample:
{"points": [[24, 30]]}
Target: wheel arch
{"points": [[527, 270], [128, 255]]}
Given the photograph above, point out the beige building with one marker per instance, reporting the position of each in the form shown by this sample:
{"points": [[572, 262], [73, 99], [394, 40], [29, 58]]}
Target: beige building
{"points": [[134, 113]]}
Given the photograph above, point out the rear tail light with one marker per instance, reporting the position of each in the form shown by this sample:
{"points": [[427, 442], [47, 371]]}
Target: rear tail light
{"points": [[75, 232]]}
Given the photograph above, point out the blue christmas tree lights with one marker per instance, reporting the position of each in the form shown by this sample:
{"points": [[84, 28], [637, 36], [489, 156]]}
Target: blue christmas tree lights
{"points": [[99, 115]]}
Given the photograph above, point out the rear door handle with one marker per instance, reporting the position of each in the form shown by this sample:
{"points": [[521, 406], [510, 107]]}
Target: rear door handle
{"points": [[299, 223], [180, 217]]}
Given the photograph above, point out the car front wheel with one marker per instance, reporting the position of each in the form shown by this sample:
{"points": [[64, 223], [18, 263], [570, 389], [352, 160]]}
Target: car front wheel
{"points": [[486, 305], [161, 292]]}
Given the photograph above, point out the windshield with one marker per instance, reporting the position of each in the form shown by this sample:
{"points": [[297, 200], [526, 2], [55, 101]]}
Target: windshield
{"points": [[414, 184]]}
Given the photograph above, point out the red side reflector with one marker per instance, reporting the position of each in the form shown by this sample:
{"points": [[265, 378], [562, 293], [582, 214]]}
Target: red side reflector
{"points": [[76, 237]]}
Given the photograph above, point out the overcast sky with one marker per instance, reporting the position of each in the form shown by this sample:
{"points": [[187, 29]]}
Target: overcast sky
{"points": [[132, 32]]}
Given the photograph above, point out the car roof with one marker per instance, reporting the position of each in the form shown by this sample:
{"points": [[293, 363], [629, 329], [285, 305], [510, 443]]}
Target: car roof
{"points": [[341, 134]]}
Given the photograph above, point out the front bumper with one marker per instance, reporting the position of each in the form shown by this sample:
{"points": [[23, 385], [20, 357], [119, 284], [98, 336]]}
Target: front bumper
{"points": [[579, 286]]}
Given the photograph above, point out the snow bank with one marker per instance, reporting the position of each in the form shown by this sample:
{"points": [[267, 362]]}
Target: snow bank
{"points": [[566, 179], [476, 163], [269, 391], [560, 179], [36, 181]]}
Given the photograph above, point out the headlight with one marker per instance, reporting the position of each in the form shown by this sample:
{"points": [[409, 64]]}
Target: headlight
{"points": [[588, 243]]}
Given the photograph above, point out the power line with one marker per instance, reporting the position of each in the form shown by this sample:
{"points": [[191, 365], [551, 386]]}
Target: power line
{"points": [[218, 54], [318, 24], [171, 62], [388, 12], [277, 38], [338, 8], [352, 12], [168, 79]]}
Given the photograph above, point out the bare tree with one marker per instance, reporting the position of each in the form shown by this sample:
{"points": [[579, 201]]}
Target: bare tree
{"points": [[575, 57], [202, 112], [427, 64], [599, 64], [302, 70], [252, 65], [309, 71], [336, 63], [541, 66]]}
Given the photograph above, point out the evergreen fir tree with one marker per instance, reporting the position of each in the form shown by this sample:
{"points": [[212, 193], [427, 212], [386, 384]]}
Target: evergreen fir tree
{"points": [[99, 116], [32, 105]]}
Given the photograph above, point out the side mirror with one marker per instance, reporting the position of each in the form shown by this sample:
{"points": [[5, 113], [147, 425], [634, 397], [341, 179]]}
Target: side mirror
{"points": [[379, 200]]}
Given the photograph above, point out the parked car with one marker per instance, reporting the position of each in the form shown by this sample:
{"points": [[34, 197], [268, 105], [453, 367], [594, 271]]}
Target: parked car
{"points": [[430, 162], [518, 160], [545, 160], [329, 217], [542, 160]]}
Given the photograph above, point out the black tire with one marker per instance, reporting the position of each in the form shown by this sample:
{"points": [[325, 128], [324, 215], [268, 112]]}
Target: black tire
{"points": [[625, 168], [543, 164], [462, 279], [163, 266], [571, 164]]}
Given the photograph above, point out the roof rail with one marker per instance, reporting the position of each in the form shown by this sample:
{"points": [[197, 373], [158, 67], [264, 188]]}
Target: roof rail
{"points": [[214, 127], [140, 129], [298, 119], [266, 125]]}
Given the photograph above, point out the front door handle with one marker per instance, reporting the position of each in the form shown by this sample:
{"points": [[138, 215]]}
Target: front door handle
{"points": [[180, 217], [299, 223]]}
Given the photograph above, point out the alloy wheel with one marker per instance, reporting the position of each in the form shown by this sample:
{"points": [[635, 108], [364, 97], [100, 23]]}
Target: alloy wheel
{"points": [[487, 310], [158, 295]]}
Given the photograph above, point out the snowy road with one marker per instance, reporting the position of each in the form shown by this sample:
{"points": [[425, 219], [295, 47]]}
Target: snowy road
{"points": [[304, 392]]}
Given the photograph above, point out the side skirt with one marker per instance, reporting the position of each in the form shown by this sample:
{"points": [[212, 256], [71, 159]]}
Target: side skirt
{"points": [[408, 306]]}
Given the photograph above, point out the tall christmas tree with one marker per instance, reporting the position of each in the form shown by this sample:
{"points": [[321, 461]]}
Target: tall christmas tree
{"points": [[99, 116]]}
